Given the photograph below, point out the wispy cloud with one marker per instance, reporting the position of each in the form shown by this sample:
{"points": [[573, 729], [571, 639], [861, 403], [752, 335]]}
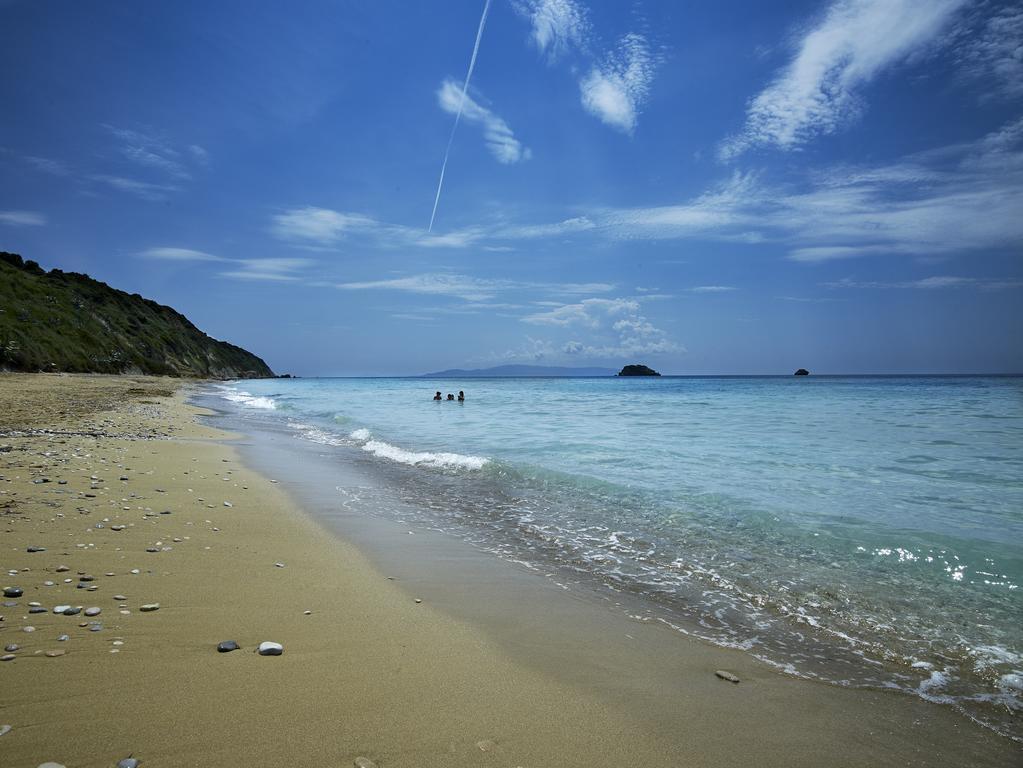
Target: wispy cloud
{"points": [[468, 288], [557, 25], [22, 218], [818, 91], [150, 151], [142, 189], [990, 51], [713, 288], [936, 282], [47, 165], [498, 136], [318, 225], [615, 89], [179, 254], [274, 269]]}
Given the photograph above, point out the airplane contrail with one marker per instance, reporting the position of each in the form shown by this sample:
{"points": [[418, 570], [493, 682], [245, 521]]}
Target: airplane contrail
{"points": [[458, 115]]}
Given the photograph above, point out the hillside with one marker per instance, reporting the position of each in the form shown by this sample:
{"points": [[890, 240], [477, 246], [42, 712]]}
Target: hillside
{"points": [[64, 321], [517, 371]]}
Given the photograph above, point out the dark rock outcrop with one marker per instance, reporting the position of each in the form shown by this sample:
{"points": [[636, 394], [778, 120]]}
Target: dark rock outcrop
{"points": [[801, 372], [637, 370]]}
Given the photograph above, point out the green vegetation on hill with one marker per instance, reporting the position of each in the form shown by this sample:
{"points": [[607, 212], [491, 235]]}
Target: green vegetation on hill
{"points": [[64, 321]]}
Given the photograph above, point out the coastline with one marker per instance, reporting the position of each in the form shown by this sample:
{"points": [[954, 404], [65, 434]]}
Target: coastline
{"points": [[503, 670]]}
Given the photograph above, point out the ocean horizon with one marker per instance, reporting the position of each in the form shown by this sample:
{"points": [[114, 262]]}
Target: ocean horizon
{"points": [[862, 530]]}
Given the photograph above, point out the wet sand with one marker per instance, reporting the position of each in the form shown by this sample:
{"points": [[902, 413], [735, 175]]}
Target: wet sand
{"points": [[505, 671]]}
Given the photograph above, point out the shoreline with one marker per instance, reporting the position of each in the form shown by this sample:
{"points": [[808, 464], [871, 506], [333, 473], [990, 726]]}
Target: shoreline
{"points": [[539, 678]]}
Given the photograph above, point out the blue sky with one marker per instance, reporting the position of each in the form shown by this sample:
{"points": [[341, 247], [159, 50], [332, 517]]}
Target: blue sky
{"points": [[731, 187]]}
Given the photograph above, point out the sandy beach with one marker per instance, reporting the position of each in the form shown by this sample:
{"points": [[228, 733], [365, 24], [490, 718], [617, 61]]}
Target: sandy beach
{"points": [[113, 496]]}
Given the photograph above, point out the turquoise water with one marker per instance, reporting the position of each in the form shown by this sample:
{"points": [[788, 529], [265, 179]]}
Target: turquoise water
{"points": [[863, 531]]}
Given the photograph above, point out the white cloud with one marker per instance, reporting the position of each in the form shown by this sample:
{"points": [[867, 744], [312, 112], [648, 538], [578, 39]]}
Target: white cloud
{"points": [[318, 225], [143, 189], [459, 286], [47, 165], [150, 151], [498, 136], [936, 282], [615, 89], [22, 218], [712, 288], [817, 91], [179, 254], [993, 54], [590, 313], [557, 25]]}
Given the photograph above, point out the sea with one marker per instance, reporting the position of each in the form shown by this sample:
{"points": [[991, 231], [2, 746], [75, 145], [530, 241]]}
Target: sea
{"points": [[865, 531]]}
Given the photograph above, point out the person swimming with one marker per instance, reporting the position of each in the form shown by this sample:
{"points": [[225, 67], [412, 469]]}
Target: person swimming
{"points": [[461, 396], [450, 396], [437, 397]]}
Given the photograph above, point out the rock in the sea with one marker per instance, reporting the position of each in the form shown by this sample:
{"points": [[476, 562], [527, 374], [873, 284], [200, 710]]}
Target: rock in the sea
{"points": [[94, 611], [364, 762], [227, 646], [637, 370], [270, 649], [726, 675], [149, 607], [13, 591], [801, 372]]}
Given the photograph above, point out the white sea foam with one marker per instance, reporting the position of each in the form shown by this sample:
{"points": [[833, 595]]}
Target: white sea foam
{"points": [[250, 400], [360, 434], [423, 458]]}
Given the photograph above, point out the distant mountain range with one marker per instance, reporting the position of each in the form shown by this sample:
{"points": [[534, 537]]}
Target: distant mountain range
{"points": [[517, 370], [65, 321]]}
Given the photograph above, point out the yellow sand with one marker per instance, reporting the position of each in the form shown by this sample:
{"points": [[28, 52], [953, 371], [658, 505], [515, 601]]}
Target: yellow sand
{"points": [[370, 672]]}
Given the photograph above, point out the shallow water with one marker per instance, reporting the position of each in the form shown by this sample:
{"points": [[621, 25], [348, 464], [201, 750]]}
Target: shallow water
{"points": [[863, 531]]}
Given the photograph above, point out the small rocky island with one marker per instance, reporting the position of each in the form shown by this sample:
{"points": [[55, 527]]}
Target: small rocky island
{"points": [[637, 370], [801, 372]]}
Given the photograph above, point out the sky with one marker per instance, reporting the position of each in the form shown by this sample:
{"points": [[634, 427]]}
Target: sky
{"points": [[727, 187]]}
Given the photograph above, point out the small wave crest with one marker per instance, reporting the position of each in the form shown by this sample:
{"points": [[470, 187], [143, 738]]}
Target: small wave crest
{"points": [[423, 458], [250, 400]]}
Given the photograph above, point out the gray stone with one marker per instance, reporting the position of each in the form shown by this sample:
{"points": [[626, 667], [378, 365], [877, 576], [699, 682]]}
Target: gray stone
{"points": [[28, 629], [116, 527], [4, 729], [63, 638], [13, 591], [50, 765], [268, 648], [73, 610], [41, 480], [95, 627], [149, 607], [120, 597], [54, 654], [94, 611], [37, 609], [227, 646], [128, 762], [8, 657], [725, 675], [12, 647], [364, 762], [62, 568], [61, 608], [36, 549]]}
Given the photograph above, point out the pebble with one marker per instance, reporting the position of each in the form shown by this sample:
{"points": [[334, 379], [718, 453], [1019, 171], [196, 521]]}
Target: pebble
{"points": [[63, 638], [278, 565], [37, 609], [418, 600], [116, 527], [136, 571], [12, 647], [228, 504], [364, 762], [13, 591], [54, 654], [50, 765], [227, 646], [270, 649], [48, 584], [152, 549], [149, 607], [128, 762], [94, 611], [4, 729], [60, 608], [725, 675], [86, 577], [28, 629], [486, 745], [8, 657], [62, 568], [36, 549], [95, 627], [120, 597], [73, 611]]}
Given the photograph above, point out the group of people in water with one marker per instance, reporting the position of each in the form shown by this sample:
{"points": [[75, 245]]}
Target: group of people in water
{"points": [[461, 396]]}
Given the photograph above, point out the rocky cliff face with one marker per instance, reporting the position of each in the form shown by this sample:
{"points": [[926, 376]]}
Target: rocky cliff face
{"points": [[64, 321]]}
